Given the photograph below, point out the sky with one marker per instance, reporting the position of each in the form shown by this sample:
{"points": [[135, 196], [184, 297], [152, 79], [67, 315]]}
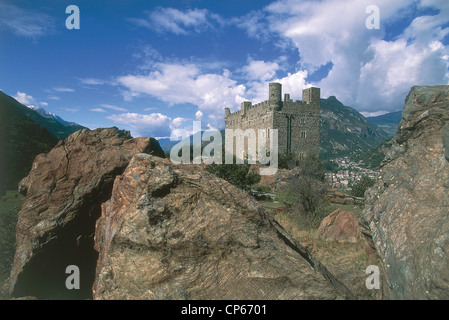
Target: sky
{"points": [[153, 67]]}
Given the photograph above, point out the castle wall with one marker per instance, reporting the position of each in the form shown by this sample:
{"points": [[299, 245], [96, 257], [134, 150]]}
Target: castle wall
{"points": [[298, 122]]}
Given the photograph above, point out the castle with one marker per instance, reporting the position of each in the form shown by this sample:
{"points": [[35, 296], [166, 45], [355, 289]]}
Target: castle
{"points": [[297, 122]]}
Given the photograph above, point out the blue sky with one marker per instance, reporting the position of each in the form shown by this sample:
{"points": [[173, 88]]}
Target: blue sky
{"points": [[155, 66]]}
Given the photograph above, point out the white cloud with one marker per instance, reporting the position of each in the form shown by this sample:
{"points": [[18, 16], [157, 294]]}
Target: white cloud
{"points": [[148, 125], [177, 122], [28, 100], [92, 81], [115, 108], [198, 115], [176, 21], [25, 23], [211, 93], [97, 110], [254, 24], [23, 98], [175, 84], [368, 72], [395, 68], [62, 89], [260, 70]]}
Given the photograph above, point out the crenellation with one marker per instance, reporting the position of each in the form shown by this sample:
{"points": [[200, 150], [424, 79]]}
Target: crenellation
{"points": [[297, 122]]}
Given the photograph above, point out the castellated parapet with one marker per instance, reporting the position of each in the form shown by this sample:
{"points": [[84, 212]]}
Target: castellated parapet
{"points": [[297, 122]]}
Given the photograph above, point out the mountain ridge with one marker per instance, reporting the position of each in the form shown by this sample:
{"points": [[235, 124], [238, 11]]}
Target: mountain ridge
{"points": [[388, 122], [59, 130], [44, 113]]}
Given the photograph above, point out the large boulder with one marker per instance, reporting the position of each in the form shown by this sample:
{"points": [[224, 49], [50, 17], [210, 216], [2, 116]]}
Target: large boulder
{"points": [[179, 232], [406, 213], [64, 192], [340, 225]]}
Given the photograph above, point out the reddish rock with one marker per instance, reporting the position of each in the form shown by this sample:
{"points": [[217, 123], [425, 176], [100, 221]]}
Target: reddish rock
{"points": [[340, 225], [179, 232], [64, 191]]}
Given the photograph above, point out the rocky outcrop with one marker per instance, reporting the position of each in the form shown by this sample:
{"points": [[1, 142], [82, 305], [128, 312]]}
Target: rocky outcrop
{"points": [[406, 213], [64, 191], [179, 232], [340, 225]]}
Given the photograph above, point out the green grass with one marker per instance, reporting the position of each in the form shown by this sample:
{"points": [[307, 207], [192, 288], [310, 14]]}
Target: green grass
{"points": [[10, 205]]}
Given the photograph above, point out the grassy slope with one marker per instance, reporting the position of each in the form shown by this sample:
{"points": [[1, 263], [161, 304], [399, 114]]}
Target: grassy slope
{"points": [[10, 205], [21, 139], [347, 261], [57, 129]]}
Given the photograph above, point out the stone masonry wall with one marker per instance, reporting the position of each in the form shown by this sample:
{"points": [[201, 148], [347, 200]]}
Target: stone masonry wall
{"points": [[298, 122]]}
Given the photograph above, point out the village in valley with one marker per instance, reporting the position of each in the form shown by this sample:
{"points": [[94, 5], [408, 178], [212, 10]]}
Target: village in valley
{"points": [[349, 173]]}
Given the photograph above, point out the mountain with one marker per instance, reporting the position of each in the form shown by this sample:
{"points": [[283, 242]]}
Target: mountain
{"points": [[388, 122], [44, 113], [21, 139], [346, 132], [57, 129]]}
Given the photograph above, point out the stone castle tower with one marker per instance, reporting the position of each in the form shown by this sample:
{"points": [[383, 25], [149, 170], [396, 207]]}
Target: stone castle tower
{"points": [[298, 122]]}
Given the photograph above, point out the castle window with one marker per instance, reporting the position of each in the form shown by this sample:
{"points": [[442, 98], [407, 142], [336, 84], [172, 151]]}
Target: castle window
{"points": [[301, 156], [303, 120], [303, 134]]}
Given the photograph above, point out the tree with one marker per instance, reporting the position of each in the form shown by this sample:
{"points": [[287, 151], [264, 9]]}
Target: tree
{"points": [[306, 185], [240, 175], [358, 189], [287, 160]]}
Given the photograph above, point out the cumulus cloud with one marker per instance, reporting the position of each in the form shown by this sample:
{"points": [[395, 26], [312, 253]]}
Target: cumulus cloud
{"points": [[260, 70], [24, 98], [148, 125], [368, 71], [176, 83], [28, 100]]}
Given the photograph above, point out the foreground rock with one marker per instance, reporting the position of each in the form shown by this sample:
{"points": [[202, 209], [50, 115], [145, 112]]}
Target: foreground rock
{"points": [[64, 191], [407, 211], [178, 232], [340, 225]]}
